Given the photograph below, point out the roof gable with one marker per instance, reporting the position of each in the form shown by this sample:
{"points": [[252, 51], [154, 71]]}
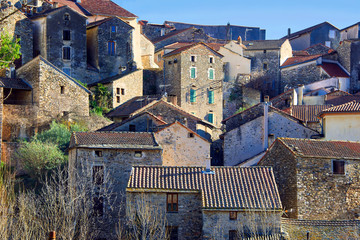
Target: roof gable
{"points": [[189, 47], [14, 83], [100, 22], [307, 30], [334, 70], [225, 188], [350, 107], [162, 128], [171, 34], [263, 44]]}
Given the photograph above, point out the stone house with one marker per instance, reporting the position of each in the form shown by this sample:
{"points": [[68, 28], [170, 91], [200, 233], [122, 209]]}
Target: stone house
{"points": [[310, 69], [63, 45], [194, 75], [308, 114], [348, 53], [199, 204], [317, 179], [147, 53], [182, 146], [142, 122], [110, 156], [266, 58], [341, 122], [225, 32], [351, 32], [109, 47], [249, 133], [324, 33], [153, 31], [122, 87]]}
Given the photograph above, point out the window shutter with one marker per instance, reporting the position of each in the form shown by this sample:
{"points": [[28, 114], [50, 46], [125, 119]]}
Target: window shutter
{"points": [[211, 118], [192, 95], [211, 73], [211, 97], [192, 72]]}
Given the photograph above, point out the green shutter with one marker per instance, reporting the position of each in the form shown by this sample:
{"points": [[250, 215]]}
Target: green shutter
{"points": [[192, 72], [192, 95], [211, 97], [211, 117], [211, 73]]}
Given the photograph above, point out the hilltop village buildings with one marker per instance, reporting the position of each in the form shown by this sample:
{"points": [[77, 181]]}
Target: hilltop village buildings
{"points": [[226, 134]]}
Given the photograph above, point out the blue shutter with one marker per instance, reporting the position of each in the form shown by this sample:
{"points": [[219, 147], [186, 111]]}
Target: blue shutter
{"points": [[211, 117], [192, 95], [211, 97], [211, 73], [192, 72]]}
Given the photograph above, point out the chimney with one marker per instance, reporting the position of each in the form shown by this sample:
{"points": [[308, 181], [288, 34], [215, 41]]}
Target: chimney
{"points": [[172, 99], [55, 5], [10, 71], [266, 126], [300, 93], [289, 32], [266, 98], [52, 235], [208, 166], [271, 139]]}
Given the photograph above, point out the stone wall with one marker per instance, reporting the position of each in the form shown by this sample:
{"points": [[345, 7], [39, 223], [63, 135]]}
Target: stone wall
{"points": [[188, 219], [217, 224], [1, 121], [153, 31], [181, 149], [152, 80], [318, 230], [143, 123]]}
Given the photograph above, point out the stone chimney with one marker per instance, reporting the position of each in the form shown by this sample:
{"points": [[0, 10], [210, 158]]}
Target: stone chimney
{"points": [[172, 99], [300, 93], [289, 32], [55, 5], [266, 98]]}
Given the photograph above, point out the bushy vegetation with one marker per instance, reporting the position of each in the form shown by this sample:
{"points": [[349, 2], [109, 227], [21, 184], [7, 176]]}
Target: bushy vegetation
{"points": [[9, 49], [101, 101]]}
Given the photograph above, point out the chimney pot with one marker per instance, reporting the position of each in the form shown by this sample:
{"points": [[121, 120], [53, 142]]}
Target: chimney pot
{"points": [[266, 98], [289, 32]]}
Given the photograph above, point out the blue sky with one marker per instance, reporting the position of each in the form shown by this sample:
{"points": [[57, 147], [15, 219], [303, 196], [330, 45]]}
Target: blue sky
{"points": [[273, 15]]}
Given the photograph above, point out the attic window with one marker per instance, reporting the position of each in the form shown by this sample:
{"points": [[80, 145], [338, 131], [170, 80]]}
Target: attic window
{"points": [[265, 66], [138, 154], [191, 135], [67, 17], [66, 35], [132, 128], [233, 215], [98, 153], [211, 60], [175, 60], [169, 62], [62, 89], [193, 58], [338, 167], [264, 51], [113, 29]]}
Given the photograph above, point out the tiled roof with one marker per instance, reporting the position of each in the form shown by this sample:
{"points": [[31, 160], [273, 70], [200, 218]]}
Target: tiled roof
{"points": [[73, 5], [113, 140], [224, 188], [299, 59], [179, 50], [306, 30], [321, 148], [334, 70], [300, 53], [112, 78], [130, 106], [263, 44], [98, 23], [318, 49], [308, 113], [15, 83], [339, 100], [45, 13], [170, 34], [178, 45], [353, 106], [105, 7]]}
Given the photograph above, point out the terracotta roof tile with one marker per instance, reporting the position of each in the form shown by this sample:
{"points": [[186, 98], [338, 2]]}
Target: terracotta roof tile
{"points": [[322, 148], [105, 7], [224, 188], [299, 59], [186, 47], [318, 49], [306, 30], [334, 70], [15, 83], [353, 106], [308, 113], [113, 140], [339, 100], [263, 44], [73, 5]]}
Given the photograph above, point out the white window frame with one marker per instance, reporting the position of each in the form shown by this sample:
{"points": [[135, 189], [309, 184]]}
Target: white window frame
{"points": [[195, 58], [213, 59]]}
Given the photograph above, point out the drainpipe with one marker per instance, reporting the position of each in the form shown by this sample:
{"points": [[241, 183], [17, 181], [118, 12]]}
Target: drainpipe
{"points": [[266, 126]]}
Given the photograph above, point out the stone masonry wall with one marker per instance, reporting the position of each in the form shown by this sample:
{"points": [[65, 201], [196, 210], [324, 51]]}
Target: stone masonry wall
{"points": [[1, 120], [142, 123], [188, 219]]}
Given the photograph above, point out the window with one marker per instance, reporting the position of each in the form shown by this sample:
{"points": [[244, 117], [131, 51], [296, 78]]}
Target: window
{"points": [[98, 174], [331, 33], [175, 60], [62, 89], [66, 35], [211, 60], [211, 73], [264, 51], [117, 90], [265, 66], [169, 62], [172, 202], [233, 235], [138, 154], [98, 206], [191, 135], [193, 58], [192, 72], [66, 53], [192, 95], [117, 99], [233, 215], [132, 128], [338, 167], [113, 29], [67, 71], [211, 117], [123, 91], [172, 232], [328, 44], [98, 153], [211, 96], [111, 48], [67, 17]]}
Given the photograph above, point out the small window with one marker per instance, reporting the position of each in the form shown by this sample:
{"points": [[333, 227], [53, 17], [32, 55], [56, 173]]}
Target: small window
{"points": [[66, 53], [338, 167], [211, 60], [111, 48], [191, 135], [172, 232], [98, 153], [123, 91], [66, 35], [192, 72], [98, 175], [117, 99], [172, 202], [98, 206], [233, 215], [62, 89], [331, 33], [132, 128], [193, 58], [233, 235], [169, 62], [211, 73], [211, 97], [175, 60], [264, 51], [192, 95], [138, 154], [67, 17], [328, 44], [265, 66], [113, 29], [117, 90]]}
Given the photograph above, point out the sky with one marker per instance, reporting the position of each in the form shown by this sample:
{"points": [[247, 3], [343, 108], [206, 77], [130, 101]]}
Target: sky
{"points": [[273, 15]]}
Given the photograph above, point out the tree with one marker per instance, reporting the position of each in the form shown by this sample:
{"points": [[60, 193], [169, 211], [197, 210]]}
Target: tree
{"points": [[9, 49], [102, 101]]}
